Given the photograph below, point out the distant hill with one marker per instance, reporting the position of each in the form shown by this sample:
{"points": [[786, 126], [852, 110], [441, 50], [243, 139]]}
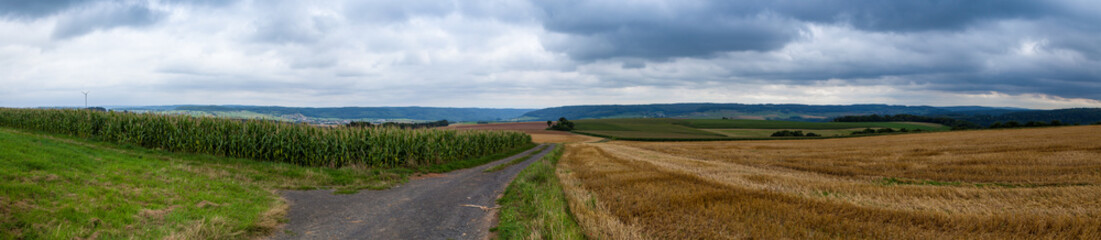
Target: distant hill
{"points": [[796, 112], [1067, 116], [793, 112], [411, 113]]}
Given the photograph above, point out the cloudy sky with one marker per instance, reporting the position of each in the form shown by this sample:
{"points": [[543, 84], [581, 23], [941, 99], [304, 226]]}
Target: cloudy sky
{"points": [[544, 53]]}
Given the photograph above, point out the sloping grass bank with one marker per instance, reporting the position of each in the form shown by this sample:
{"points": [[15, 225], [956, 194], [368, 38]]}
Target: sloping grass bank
{"points": [[534, 206]]}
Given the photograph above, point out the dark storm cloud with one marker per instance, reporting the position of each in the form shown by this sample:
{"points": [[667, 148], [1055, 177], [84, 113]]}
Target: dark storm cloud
{"points": [[602, 29], [79, 17], [904, 16], [660, 30], [35, 8], [1055, 79], [103, 17], [949, 45], [31, 9]]}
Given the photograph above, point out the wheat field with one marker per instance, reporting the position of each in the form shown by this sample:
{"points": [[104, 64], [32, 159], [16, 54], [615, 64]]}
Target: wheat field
{"points": [[994, 184]]}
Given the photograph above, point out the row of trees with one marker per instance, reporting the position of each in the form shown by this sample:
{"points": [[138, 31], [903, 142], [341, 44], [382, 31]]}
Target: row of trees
{"points": [[1015, 124], [363, 124], [799, 133], [884, 130], [956, 124], [796, 133]]}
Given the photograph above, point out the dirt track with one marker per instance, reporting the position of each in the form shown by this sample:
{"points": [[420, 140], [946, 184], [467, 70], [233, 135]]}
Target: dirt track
{"points": [[455, 205]]}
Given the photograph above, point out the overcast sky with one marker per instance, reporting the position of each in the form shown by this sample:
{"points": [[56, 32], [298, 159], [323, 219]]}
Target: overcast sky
{"points": [[545, 53]]}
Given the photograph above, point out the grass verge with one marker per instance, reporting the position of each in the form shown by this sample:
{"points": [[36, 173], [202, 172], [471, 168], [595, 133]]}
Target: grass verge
{"points": [[514, 161], [534, 206], [451, 166]]}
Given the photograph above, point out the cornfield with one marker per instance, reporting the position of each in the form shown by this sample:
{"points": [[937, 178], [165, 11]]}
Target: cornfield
{"points": [[268, 140]]}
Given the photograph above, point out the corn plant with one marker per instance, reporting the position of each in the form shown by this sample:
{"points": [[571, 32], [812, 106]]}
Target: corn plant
{"points": [[265, 140]]}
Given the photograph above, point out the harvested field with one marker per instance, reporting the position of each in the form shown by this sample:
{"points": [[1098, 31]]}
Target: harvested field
{"points": [[1000, 184], [537, 130]]}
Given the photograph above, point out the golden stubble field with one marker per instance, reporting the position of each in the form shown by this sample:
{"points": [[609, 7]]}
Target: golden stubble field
{"points": [[995, 184]]}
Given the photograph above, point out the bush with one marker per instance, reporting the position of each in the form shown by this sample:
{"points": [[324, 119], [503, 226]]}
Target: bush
{"points": [[865, 131], [562, 125], [788, 133], [813, 135]]}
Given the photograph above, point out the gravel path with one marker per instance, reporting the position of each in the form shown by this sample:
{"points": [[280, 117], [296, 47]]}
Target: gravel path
{"points": [[456, 205]]}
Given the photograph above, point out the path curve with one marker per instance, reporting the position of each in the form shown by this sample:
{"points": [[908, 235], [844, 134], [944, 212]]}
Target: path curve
{"points": [[457, 205]]}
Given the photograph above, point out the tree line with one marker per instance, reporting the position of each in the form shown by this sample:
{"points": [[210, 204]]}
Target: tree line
{"points": [[1015, 124], [955, 124], [364, 124], [796, 133], [884, 130]]}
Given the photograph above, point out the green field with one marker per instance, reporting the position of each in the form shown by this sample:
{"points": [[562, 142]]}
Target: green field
{"points": [[643, 128], [768, 124], [718, 129]]}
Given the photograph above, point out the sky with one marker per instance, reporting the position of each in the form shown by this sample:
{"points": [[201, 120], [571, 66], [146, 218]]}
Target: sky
{"points": [[541, 53]]}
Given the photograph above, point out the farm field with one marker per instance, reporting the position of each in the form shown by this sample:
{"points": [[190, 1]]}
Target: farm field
{"points": [[269, 140], [772, 124], [1040, 183], [718, 129], [78, 174], [537, 130]]}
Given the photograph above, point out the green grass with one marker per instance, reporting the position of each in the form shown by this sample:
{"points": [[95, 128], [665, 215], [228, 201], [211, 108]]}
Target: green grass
{"points": [[642, 128], [649, 129], [498, 167], [534, 206], [62, 187]]}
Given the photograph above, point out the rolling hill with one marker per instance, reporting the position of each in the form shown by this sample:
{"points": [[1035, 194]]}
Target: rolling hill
{"points": [[794, 112]]}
